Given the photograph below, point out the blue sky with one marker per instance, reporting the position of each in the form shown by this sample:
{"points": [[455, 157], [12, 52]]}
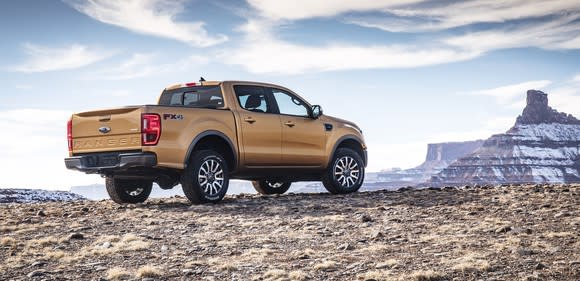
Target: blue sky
{"points": [[409, 72]]}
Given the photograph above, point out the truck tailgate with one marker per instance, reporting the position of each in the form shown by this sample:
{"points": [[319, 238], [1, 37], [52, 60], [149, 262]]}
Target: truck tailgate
{"points": [[116, 129]]}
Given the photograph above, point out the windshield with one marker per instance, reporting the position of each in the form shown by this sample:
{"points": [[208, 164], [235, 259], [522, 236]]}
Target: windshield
{"points": [[199, 96]]}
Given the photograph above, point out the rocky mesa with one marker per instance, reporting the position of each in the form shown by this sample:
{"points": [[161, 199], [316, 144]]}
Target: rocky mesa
{"points": [[518, 232], [542, 147]]}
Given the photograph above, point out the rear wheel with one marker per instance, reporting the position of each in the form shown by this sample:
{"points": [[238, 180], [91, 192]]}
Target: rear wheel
{"points": [[206, 178], [346, 172], [128, 190], [271, 186]]}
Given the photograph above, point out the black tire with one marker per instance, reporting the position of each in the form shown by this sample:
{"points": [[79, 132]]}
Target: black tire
{"points": [[271, 186], [131, 191], [208, 165], [346, 172]]}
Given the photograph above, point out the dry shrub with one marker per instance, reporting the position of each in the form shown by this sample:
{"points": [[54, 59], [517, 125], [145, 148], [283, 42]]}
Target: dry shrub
{"points": [[298, 275], [54, 255], [388, 263], [43, 242], [220, 263], [257, 254], [427, 275], [126, 243], [7, 241], [559, 234], [325, 265], [149, 271], [375, 275], [471, 263], [275, 274], [118, 273]]}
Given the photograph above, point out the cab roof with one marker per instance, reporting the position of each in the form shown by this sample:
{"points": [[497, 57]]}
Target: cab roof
{"points": [[191, 84], [215, 83]]}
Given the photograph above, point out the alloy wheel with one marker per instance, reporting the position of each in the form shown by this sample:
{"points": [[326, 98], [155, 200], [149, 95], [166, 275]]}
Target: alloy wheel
{"points": [[346, 171], [211, 177]]}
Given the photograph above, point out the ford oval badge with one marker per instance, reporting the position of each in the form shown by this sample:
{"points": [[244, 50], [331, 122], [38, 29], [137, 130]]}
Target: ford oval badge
{"points": [[104, 130]]}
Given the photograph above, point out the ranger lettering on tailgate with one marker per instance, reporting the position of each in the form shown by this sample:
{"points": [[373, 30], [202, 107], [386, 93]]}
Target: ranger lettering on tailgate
{"points": [[106, 142]]}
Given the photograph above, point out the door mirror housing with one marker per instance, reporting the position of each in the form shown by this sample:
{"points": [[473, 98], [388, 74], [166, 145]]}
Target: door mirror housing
{"points": [[316, 111]]}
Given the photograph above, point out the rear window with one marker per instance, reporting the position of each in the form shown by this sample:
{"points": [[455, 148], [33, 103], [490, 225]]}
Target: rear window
{"points": [[200, 96]]}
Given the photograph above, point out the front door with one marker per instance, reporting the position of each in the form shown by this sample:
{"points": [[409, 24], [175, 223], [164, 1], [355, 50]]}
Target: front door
{"points": [[303, 138], [261, 132]]}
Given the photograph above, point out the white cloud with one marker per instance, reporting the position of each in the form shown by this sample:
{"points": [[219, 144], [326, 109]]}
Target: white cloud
{"points": [[302, 9], [513, 96], [43, 59], [440, 15], [269, 54], [151, 17], [549, 25], [143, 65], [32, 154], [562, 33]]}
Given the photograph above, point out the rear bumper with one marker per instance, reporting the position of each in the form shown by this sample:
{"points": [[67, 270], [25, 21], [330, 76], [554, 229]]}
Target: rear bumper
{"points": [[99, 163]]}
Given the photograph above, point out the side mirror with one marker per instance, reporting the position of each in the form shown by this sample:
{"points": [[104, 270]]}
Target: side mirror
{"points": [[316, 111]]}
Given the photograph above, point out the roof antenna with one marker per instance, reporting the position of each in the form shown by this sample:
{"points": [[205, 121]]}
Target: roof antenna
{"points": [[201, 79]]}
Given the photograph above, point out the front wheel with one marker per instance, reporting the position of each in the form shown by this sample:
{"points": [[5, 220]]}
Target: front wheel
{"points": [[206, 178], [346, 172], [271, 186], [128, 190]]}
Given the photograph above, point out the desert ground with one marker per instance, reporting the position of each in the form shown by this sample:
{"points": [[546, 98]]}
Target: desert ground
{"points": [[519, 232]]}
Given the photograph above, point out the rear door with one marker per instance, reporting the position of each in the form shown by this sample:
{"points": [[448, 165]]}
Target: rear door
{"points": [[303, 138], [261, 132]]}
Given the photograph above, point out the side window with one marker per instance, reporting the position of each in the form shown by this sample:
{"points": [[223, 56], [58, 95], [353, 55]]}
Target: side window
{"points": [[289, 104], [199, 96], [252, 98], [190, 99], [176, 99]]}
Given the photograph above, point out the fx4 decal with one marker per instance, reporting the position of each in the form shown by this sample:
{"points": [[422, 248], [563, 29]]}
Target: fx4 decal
{"points": [[172, 116]]}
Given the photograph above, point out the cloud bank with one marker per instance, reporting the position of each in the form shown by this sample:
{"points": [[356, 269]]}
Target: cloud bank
{"points": [[150, 17], [43, 58]]}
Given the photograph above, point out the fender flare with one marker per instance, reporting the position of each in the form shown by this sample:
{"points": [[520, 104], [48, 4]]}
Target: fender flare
{"points": [[207, 134], [340, 140]]}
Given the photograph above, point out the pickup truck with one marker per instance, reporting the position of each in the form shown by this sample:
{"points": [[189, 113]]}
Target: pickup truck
{"points": [[203, 134]]}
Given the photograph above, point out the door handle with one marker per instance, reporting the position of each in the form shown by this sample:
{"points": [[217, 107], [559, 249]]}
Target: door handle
{"points": [[250, 120], [289, 124]]}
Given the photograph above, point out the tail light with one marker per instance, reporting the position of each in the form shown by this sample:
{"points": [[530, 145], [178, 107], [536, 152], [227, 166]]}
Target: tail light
{"points": [[69, 135], [150, 129]]}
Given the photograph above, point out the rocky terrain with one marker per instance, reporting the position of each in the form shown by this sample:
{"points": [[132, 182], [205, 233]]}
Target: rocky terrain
{"points": [[542, 147], [12, 195], [518, 232]]}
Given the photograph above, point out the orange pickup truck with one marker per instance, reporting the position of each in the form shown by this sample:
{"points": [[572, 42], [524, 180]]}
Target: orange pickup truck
{"points": [[203, 134]]}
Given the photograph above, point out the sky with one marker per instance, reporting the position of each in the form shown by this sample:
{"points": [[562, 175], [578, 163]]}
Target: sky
{"points": [[408, 72]]}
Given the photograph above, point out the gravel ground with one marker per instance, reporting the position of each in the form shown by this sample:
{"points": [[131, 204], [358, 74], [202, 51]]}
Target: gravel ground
{"points": [[521, 232]]}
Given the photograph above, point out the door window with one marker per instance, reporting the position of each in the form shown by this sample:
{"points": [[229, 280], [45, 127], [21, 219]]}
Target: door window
{"points": [[252, 98], [289, 104]]}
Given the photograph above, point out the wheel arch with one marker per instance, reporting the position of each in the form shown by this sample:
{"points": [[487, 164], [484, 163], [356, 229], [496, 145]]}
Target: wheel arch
{"points": [[351, 142], [217, 141]]}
